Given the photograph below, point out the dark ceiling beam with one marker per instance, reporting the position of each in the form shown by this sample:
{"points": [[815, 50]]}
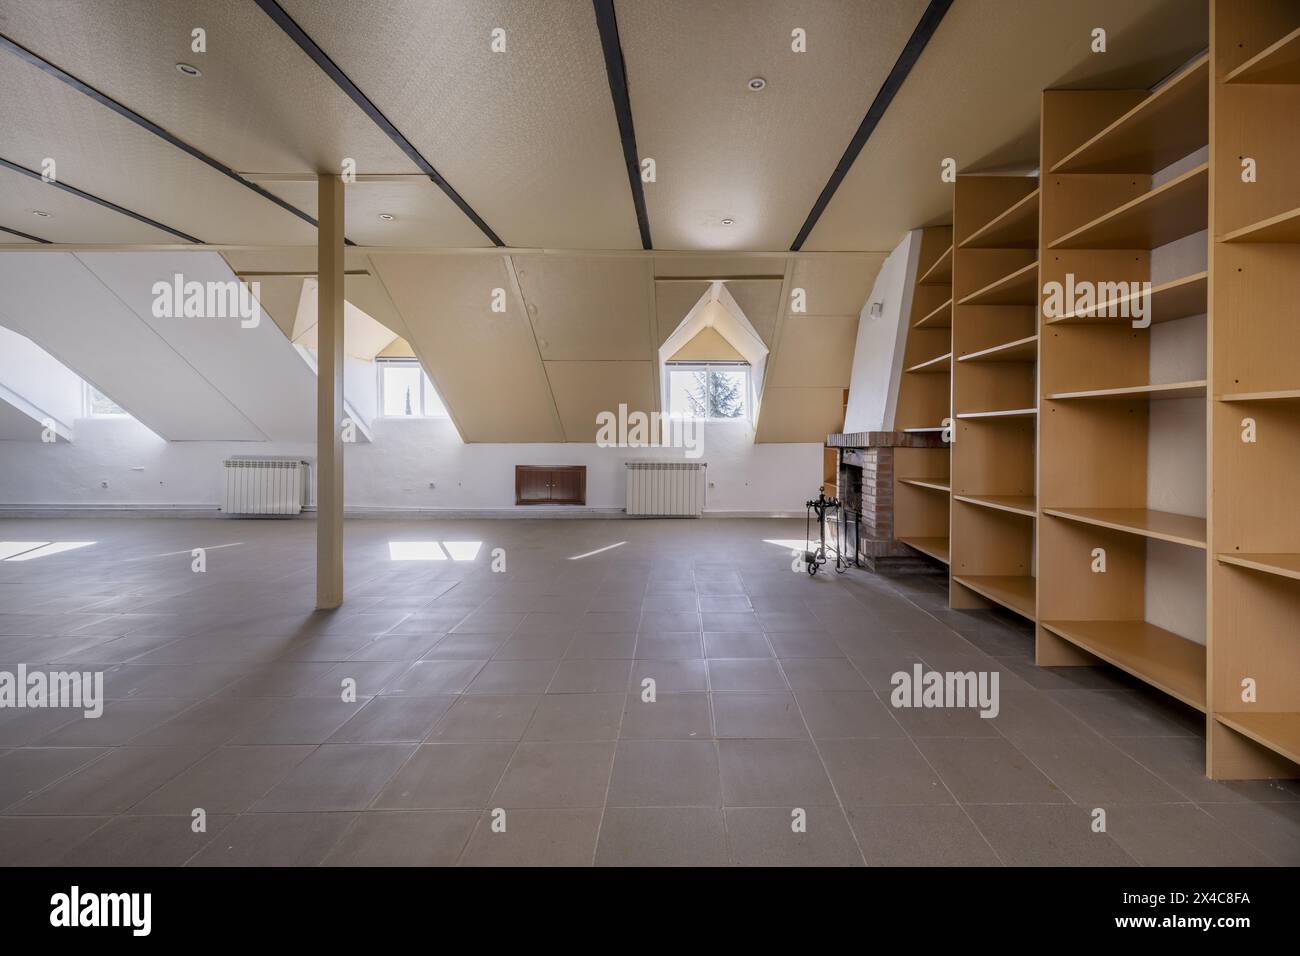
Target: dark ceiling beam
{"points": [[82, 194], [341, 79], [25, 235], [912, 50], [607, 23], [121, 109]]}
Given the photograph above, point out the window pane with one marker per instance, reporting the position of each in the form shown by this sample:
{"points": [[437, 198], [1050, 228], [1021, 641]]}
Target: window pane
{"points": [[433, 406], [101, 404], [727, 390], [401, 389], [687, 393]]}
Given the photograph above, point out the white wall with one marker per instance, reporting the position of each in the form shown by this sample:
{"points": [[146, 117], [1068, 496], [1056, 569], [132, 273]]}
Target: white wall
{"points": [[392, 473], [878, 355]]}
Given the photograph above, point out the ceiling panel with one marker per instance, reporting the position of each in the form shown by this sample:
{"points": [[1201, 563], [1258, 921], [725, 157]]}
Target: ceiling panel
{"points": [[528, 137], [760, 300], [279, 297], [484, 364], [595, 307], [585, 389], [722, 151], [835, 285], [106, 155], [673, 299], [71, 218], [261, 105], [422, 213], [814, 350], [704, 266], [800, 414], [987, 118]]}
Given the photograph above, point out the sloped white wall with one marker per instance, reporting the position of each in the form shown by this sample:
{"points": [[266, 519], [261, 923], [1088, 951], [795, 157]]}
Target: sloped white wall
{"points": [[254, 367], [57, 302]]}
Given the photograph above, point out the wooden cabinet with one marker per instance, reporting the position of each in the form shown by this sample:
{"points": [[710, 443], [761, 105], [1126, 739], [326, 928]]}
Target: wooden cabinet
{"points": [[550, 484]]}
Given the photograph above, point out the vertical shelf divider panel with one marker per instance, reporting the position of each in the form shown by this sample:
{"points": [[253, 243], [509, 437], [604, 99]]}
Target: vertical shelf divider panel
{"points": [[1103, 153], [1254, 379], [925, 402], [994, 360]]}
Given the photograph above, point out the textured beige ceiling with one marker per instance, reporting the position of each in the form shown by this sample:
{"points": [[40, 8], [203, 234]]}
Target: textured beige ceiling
{"points": [[800, 415], [760, 300], [422, 213], [589, 307], [707, 346], [484, 364], [528, 137], [71, 218], [811, 361], [260, 106], [106, 155], [974, 96], [673, 299], [722, 151], [585, 389], [815, 350]]}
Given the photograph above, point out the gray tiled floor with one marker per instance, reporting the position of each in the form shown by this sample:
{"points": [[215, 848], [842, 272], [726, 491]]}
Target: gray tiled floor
{"points": [[683, 699]]}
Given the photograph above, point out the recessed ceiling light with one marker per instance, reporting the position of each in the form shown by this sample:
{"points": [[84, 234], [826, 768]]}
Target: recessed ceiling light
{"points": [[728, 222], [41, 212], [387, 216], [189, 70], [756, 84]]}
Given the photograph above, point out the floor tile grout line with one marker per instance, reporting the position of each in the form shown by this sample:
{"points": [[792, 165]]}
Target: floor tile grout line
{"points": [[839, 801]]}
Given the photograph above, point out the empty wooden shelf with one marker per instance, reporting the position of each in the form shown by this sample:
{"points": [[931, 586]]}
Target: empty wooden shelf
{"points": [[1284, 227], [1015, 592], [1178, 208], [1281, 395], [1279, 732], [1277, 63], [1162, 525], [1168, 125], [1016, 504], [934, 484], [1164, 660], [1007, 413], [940, 273], [1016, 288], [1170, 390], [1020, 350], [940, 363], [1015, 228], [1176, 299], [939, 318], [936, 548], [1284, 565]]}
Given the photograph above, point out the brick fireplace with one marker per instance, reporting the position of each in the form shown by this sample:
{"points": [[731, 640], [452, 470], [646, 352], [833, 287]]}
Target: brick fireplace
{"points": [[866, 485]]}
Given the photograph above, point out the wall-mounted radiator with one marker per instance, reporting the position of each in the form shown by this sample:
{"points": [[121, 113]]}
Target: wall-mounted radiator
{"points": [[265, 486], [665, 488]]}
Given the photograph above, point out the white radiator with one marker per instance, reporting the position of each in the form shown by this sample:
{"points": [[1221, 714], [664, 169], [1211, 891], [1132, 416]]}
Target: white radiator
{"points": [[265, 486], [665, 488]]}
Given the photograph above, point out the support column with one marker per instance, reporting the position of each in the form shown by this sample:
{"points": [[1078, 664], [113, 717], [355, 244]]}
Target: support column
{"points": [[329, 394]]}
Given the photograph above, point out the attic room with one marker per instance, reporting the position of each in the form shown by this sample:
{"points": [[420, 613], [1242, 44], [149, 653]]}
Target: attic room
{"points": [[648, 433]]}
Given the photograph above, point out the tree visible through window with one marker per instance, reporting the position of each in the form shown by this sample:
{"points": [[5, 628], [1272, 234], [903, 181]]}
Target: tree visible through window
{"points": [[708, 391]]}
